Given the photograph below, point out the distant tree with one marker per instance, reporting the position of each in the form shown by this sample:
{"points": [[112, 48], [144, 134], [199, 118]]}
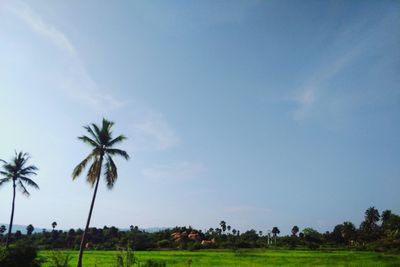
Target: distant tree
{"points": [[234, 231], [218, 231], [223, 226], [385, 217], [102, 144], [29, 229], [228, 228], [348, 231], [275, 232], [18, 234], [260, 233], [2, 229], [18, 173], [295, 230], [54, 225], [369, 227]]}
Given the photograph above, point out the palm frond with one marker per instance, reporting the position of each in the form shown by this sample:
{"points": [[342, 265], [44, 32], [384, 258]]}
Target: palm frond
{"points": [[88, 140], [111, 173], [92, 133], [30, 170], [116, 140], [28, 181], [106, 132], [97, 132], [81, 166], [21, 158], [93, 172], [23, 189], [5, 180], [118, 152]]}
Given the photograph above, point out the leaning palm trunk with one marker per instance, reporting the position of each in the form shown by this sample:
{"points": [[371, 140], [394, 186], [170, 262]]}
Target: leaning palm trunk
{"points": [[83, 240], [12, 216]]}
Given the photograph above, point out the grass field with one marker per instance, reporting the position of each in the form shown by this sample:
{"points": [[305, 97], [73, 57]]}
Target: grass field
{"points": [[242, 258]]}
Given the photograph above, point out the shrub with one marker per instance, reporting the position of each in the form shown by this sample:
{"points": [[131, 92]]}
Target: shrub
{"points": [[60, 259], [19, 255]]}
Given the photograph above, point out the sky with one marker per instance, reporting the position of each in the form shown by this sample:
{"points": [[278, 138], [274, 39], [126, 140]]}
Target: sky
{"points": [[259, 113]]}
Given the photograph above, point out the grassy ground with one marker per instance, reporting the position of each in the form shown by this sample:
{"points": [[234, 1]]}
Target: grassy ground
{"points": [[243, 258]]}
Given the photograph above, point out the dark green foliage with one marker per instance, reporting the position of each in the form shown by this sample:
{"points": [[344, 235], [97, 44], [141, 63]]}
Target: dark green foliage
{"points": [[19, 255], [153, 263]]}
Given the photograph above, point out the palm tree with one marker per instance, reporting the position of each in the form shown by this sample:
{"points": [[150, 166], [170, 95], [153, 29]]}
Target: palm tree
{"points": [[275, 232], [17, 172], [223, 226], [101, 141], [29, 229], [295, 230], [54, 225]]}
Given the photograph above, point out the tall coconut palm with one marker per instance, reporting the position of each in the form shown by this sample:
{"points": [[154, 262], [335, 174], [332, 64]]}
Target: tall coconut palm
{"points": [[17, 171], [101, 141]]}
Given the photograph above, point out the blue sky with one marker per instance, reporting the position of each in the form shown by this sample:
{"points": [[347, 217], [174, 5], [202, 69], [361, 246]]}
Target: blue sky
{"points": [[259, 113]]}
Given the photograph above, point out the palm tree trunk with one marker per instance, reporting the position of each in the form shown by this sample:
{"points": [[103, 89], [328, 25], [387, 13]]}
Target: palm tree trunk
{"points": [[82, 247], [12, 216]]}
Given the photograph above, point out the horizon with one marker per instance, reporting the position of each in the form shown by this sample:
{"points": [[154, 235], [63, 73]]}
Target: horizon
{"points": [[258, 113]]}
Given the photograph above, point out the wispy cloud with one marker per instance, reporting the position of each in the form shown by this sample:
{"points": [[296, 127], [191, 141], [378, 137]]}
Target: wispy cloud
{"points": [[351, 45], [175, 171], [309, 93], [77, 82], [152, 132]]}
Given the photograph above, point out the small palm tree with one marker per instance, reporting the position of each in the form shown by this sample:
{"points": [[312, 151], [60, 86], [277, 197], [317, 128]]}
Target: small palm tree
{"points": [[17, 172], [54, 225], [275, 232], [295, 230], [29, 229], [102, 144]]}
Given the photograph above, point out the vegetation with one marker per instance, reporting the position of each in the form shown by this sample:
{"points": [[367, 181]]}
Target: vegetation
{"points": [[19, 254], [384, 237], [18, 173], [254, 258], [102, 145]]}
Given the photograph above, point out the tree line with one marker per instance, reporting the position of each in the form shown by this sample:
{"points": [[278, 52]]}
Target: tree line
{"points": [[378, 231]]}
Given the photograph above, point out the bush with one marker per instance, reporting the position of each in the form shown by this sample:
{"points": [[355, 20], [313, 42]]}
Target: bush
{"points": [[19, 255], [59, 259]]}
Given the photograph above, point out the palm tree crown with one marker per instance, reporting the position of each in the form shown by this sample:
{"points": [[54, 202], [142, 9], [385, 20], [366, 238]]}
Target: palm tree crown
{"points": [[102, 143], [16, 171]]}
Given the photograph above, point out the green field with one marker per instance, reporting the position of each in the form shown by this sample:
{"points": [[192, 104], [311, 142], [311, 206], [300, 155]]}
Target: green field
{"points": [[243, 258]]}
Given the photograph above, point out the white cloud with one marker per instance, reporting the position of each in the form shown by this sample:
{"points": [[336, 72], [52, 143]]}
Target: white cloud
{"points": [[175, 171], [37, 24], [152, 132], [76, 80]]}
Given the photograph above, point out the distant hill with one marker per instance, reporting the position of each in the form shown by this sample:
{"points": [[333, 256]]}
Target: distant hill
{"points": [[22, 228]]}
